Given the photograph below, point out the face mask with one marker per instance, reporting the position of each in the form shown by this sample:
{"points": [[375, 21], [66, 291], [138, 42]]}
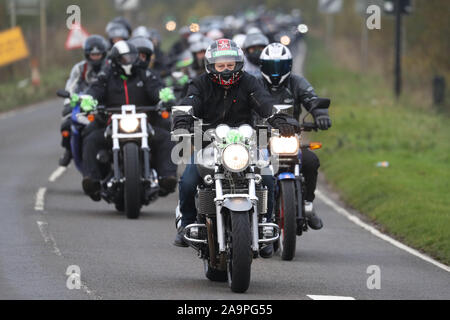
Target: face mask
{"points": [[254, 57], [127, 69]]}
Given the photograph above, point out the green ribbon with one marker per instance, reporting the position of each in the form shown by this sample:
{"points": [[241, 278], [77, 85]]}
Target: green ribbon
{"points": [[233, 137], [74, 100], [166, 95], [88, 103]]}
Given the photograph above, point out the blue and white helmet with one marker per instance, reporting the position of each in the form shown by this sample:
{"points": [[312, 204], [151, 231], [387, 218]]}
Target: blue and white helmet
{"points": [[276, 63]]}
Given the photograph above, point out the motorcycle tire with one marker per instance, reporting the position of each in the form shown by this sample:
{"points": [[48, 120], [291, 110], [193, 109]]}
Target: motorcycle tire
{"points": [[132, 185], [287, 219], [239, 266]]}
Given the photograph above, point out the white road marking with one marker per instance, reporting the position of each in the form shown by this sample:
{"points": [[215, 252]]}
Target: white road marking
{"points": [[40, 199], [48, 238], [377, 233], [57, 173], [319, 297]]}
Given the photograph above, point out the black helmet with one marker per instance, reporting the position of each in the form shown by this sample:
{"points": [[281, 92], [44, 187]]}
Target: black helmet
{"points": [[224, 50], [145, 46], [95, 44], [254, 40], [116, 30], [276, 63], [155, 37], [124, 56], [124, 22]]}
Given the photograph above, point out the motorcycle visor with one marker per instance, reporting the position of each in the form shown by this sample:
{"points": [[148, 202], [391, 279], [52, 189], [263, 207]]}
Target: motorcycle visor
{"points": [[128, 58], [276, 67]]}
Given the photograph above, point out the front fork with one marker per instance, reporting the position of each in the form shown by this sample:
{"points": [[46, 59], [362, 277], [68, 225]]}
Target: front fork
{"points": [[254, 219]]}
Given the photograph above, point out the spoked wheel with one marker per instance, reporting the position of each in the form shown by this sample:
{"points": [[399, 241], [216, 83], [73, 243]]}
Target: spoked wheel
{"points": [[240, 260], [132, 185], [287, 219]]}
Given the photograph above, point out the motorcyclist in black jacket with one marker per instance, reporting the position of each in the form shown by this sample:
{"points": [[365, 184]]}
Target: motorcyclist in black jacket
{"points": [[225, 94], [126, 82], [287, 88], [82, 75]]}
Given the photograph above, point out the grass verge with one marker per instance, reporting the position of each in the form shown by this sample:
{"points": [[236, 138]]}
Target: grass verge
{"points": [[409, 199], [13, 95]]}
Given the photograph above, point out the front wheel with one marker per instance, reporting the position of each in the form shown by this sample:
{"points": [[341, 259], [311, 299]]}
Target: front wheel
{"points": [[132, 185], [239, 265], [287, 219]]}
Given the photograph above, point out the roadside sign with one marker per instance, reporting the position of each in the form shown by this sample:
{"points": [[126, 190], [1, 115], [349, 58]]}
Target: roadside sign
{"points": [[25, 7], [127, 5], [76, 38], [12, 46], [330, 6]]}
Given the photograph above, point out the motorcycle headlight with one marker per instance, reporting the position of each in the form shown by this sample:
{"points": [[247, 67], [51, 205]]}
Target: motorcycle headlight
{"points": [[284, 145], [235, 157], [129, 125]]}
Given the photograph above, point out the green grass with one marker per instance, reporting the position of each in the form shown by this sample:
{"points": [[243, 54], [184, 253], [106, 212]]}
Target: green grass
{"points": [[409, 199], [13, 97]]}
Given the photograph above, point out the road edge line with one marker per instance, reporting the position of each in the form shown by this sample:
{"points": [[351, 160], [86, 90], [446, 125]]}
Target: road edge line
{"points": [[379, 234]]}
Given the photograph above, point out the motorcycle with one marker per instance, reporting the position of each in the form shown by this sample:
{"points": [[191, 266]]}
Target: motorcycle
{"points": [[231, 202], [129, 180], [290, 213]]}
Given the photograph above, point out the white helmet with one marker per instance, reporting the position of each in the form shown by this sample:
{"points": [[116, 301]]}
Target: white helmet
{"points": [[276, 63]]}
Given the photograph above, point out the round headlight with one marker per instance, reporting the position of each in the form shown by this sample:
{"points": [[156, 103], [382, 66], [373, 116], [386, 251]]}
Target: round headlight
{"points": [[129, 125], [222, 131], [246, 131], [284, 145], [302, 28], [235, 157]]}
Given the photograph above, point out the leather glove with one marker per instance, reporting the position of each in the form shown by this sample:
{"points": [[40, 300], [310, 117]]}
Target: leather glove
{"points": [[183, 123], [321, 118], [287, 128]]}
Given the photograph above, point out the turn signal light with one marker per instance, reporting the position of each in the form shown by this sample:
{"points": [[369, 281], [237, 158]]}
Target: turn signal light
{"points": [[165, 115], [65, 134], [315, 145], [91, 117]]}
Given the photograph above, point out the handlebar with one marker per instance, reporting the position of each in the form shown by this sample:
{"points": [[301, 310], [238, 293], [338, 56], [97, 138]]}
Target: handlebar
{"points": [[308, 126]]}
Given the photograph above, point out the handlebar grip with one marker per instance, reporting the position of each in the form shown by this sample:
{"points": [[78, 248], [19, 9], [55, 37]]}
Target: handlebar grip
{"points": [[63, 94], [308, 126]]}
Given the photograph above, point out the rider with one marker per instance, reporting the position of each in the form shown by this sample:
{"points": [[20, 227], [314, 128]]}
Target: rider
{"points": [[253, 45], [117, 30], [225, 94], [287, 88], [82, 75], [127, 82]]}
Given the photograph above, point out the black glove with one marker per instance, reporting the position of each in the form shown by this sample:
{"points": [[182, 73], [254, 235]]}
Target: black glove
{"points": [[321, 118], [287, 126], [183, 122]]}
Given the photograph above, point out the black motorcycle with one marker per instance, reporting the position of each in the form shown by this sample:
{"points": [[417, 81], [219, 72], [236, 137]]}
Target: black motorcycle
{"points": [[129, 180]]}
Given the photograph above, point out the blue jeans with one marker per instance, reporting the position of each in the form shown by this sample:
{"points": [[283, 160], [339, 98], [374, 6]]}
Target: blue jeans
{"points": [[188, 188]]}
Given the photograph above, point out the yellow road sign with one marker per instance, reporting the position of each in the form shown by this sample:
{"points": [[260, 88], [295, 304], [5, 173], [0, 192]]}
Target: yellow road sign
{"points": [[12, 46]]}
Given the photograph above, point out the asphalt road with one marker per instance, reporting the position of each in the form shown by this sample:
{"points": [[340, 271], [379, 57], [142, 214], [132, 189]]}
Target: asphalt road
{"points": [[44, 231]]}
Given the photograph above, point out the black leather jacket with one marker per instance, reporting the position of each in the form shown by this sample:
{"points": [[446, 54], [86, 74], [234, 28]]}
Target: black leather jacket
{"points": [[295, 90], [215, 105]]}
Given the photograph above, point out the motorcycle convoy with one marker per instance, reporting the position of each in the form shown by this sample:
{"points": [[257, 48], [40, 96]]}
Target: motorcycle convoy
{"points": [[233, 223]]}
